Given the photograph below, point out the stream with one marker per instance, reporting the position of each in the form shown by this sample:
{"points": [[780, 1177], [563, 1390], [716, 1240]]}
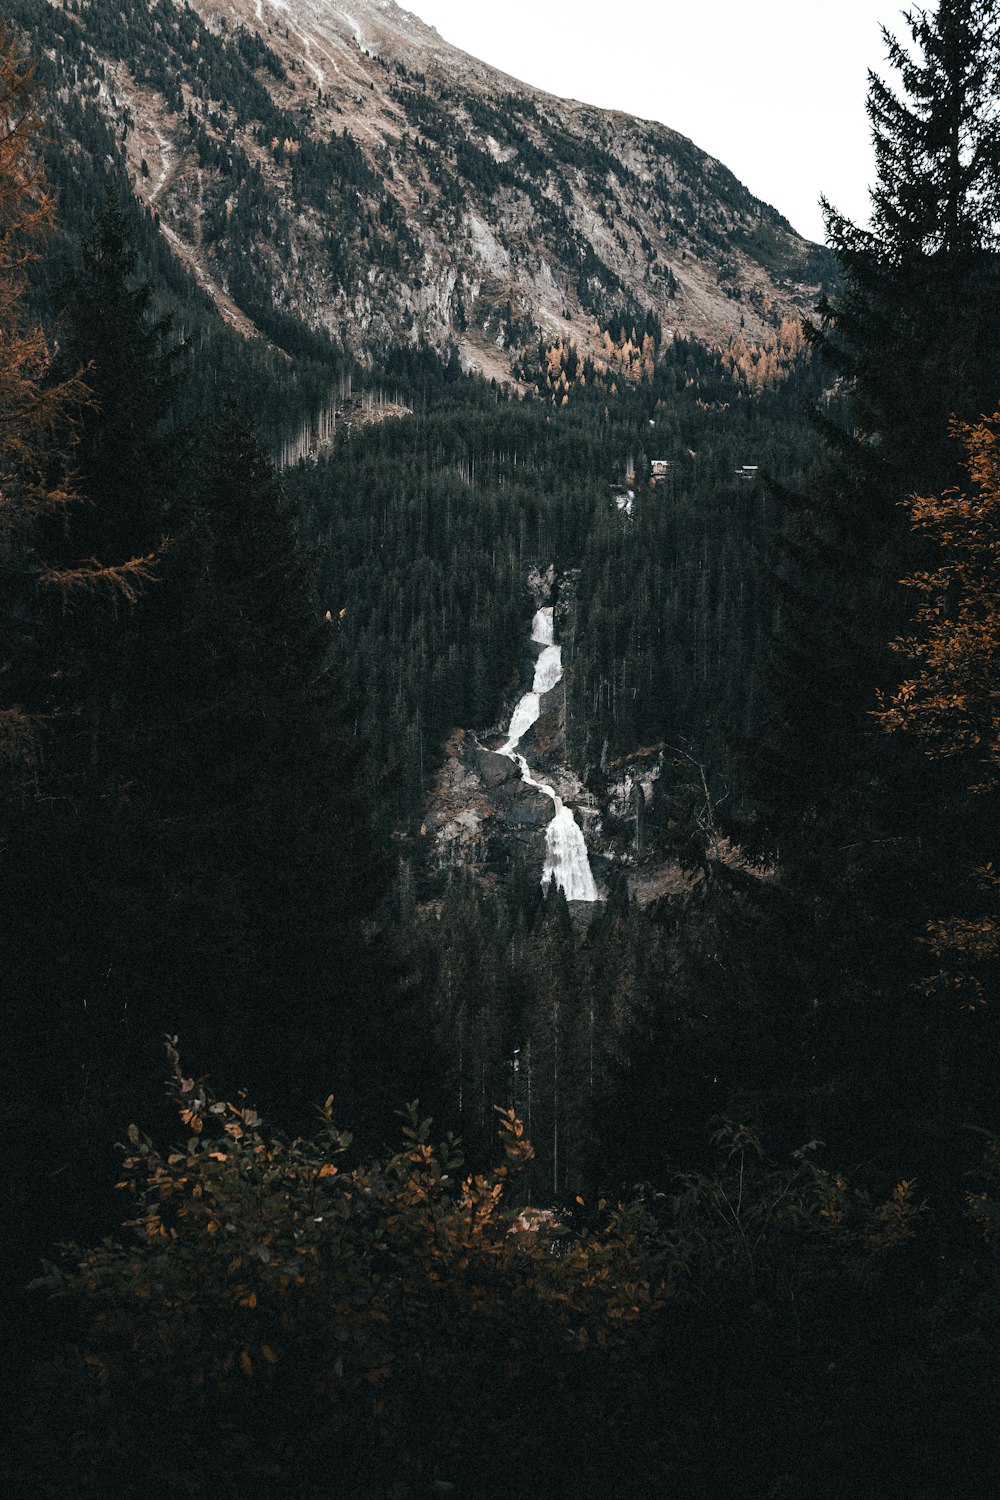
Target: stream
{"points": [[566, 859]]}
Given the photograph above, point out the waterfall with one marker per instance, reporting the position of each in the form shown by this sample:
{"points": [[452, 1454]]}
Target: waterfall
{"points": [[566, 859]]}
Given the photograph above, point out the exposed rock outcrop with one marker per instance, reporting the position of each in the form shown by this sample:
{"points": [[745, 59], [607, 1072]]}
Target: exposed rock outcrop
{"points": [[357, 172], [480, 813]]}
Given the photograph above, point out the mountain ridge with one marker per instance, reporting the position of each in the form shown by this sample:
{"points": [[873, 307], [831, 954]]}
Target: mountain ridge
{"points": [[349, 167]]}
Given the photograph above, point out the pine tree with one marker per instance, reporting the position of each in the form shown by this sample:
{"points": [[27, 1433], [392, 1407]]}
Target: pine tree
{"points": [[99, 647], [912, 339], [130, 475], [130, 456], [862, 828], [951, 706], [55, 1033], [469, 1007], [908, 330], [258, 778], [38, 413], [555, 1037]]}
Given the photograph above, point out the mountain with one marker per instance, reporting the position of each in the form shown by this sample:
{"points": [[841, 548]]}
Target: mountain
{"points": [[347, 168]]}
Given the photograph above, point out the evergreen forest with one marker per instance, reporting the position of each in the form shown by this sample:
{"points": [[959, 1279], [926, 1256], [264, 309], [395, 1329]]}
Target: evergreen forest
{"points": [[337, 1163]]}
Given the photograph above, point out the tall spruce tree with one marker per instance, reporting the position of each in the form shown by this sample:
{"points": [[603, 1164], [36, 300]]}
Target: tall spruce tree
{"points": [[194, 852], [862, 828], [129, 453], [43, 400], [259, 783], [60, 1034], [106, 642], [951, 704], [36, 430]]}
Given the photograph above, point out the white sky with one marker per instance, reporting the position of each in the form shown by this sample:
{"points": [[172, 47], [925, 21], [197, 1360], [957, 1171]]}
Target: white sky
{"points": [[775, 89]]}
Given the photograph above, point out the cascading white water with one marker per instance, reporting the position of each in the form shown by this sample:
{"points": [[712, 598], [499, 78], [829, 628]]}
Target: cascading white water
{"points": [[548, 669], [525, 714], [565, 850], [566, 857], [543, 628]]}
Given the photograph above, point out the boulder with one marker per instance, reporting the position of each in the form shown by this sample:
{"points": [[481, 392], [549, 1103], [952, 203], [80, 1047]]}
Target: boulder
{"points": [[523, 807], [494, 769]]}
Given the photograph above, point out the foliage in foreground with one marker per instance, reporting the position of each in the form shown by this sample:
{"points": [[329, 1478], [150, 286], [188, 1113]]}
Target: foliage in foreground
{"points": [[282, 1316], [951, 703]]}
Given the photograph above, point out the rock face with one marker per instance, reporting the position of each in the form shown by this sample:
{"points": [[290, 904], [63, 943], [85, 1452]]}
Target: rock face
{"points": [[480, 813], [346, 167], [494, 769], [636, 774], [515, 804]]}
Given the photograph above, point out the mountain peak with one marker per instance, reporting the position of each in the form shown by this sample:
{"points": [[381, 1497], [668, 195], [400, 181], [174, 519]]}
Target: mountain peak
{"points": [[346, 164]]}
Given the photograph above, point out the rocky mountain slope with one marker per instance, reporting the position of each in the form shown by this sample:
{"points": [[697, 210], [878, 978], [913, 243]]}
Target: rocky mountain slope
{"points": [[346, 167]]}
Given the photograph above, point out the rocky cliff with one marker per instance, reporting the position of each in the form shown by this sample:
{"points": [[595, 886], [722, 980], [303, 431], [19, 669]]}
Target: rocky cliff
{"points": [[346, 167]]}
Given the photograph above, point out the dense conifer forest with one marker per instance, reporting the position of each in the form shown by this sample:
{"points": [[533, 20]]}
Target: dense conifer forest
{"points": [[430, 1181]]}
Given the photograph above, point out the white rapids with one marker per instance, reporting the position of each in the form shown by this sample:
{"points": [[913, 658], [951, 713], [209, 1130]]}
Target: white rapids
{"points": [[566, 859]]}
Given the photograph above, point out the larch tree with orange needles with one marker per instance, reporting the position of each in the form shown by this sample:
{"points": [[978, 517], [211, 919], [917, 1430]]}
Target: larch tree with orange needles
{"points": [[868, 836], [951, 701], [39, 419], [54, 1032]]}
